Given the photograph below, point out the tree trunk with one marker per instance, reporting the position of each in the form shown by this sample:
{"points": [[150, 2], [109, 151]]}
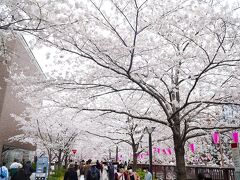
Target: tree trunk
{"points": [[50, 160], [60, 158], [66, 161], [134, 158], [180, 160]]}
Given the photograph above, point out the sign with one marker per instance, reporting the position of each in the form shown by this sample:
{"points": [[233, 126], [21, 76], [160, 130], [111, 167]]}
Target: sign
{"points": [[42, 168], [74, 151]]}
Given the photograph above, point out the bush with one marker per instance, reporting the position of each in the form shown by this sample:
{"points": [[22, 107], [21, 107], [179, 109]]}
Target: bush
{"points": [[58, 174], [34, 166], [140, 173], [55, 178]]}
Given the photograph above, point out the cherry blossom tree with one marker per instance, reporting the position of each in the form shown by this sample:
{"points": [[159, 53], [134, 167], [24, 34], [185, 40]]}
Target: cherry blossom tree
{"points": [[18, 16], [128, 131], [48, 128], [179, 57]]}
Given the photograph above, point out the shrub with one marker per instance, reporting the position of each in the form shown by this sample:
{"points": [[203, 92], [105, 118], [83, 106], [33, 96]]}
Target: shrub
{"points": [[140, 173], [58, 174]]}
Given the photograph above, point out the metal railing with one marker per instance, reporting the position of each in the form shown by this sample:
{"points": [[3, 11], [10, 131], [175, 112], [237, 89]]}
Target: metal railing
{"points": [[167, 172]]}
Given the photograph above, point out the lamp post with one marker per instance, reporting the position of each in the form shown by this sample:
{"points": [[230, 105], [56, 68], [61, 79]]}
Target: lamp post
{"points": [[150, 130]]}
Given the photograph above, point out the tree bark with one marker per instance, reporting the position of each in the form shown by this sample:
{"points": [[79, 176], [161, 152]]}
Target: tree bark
{"points": [[60, 158], [134, 158], [66, 161], [50, 160], [180, 160]]}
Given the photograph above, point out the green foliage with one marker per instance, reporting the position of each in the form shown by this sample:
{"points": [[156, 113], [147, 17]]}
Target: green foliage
{"points": [[140, 173], [55, 178], [34, 166], [58, 174]]}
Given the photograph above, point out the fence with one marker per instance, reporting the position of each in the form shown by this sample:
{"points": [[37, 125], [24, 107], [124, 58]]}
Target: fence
{"points": [[167, 172]]}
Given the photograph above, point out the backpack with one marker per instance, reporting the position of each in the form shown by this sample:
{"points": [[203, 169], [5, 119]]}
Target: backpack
{"points": [[93, 174], [28, 169], [13, 172], [3, 173]]}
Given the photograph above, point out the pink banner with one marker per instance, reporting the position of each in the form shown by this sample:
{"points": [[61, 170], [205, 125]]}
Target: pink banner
{"points": [[192, 147], [169, 151], [164, 151], [235, 136], [215, 137]]}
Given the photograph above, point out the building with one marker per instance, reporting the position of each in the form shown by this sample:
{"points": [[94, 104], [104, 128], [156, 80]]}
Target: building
{"points": [[22, 55]]}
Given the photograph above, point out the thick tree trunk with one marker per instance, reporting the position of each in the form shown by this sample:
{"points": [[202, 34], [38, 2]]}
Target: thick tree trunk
{"points": [[134, 158], [60, 158], [180, 160], [134, 162]]}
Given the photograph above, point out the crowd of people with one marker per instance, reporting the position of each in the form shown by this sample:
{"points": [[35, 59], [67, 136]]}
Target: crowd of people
{"points": [[91, 170], [16, 171]]}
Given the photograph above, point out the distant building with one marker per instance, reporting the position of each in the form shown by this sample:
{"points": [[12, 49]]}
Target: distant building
{"points": [[22, 55]]}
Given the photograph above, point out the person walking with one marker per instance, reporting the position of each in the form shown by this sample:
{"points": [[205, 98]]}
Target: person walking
{"points": [[81, 167], [93, 173], [71, 174], [14, 167], [148, 174], [19, 175], [99, 166], [119, 175], [132, 175], [111, 175], [86, 168], [104, 175], [4, 175], [28, 169]]}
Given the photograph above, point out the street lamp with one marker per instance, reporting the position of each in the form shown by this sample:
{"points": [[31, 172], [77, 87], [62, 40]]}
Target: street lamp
{"points": [[149, 131]]}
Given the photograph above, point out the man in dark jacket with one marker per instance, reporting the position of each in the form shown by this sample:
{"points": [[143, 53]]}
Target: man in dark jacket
{"points": [[93, 173], [20, 175], [71, 174], [111, 173], [28, 169]]}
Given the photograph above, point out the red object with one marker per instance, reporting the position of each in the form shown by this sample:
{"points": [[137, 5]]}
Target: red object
{"points": [[74, 151], [234, 145]]}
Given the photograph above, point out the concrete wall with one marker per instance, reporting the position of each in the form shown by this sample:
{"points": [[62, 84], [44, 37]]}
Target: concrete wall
{"points": [[8, 102]]}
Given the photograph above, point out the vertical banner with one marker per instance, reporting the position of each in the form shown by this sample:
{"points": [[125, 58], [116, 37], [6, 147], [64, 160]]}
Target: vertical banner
{"points": [[235, 137], [192, 147]]}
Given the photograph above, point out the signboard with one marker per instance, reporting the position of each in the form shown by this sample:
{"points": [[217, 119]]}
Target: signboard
{"points": [[42, 168], [236, 159], [74, 151]]}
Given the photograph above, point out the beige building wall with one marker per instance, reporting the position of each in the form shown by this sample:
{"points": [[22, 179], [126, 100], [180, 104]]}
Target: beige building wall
{"points": [[8, 102]]}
